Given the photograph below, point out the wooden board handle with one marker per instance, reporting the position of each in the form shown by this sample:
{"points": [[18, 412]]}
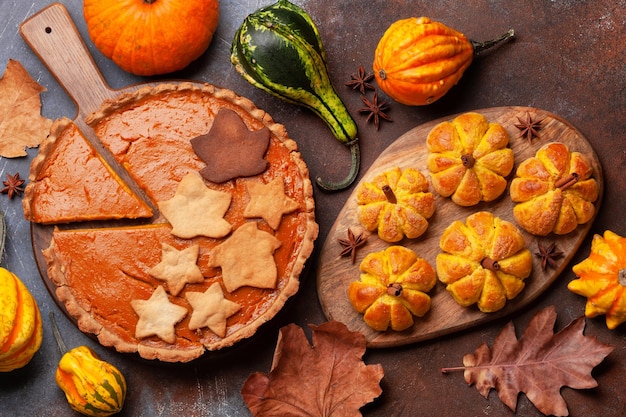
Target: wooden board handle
{"points": [[53, 36]]}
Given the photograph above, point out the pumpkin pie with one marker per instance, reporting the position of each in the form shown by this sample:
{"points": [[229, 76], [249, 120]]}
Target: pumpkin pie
{"points": [[206, 269]]}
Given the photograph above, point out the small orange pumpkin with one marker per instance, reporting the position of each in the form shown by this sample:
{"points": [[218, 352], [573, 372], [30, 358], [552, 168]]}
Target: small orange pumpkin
{"points": [[602, 279], [418, 60], [150, 37]]}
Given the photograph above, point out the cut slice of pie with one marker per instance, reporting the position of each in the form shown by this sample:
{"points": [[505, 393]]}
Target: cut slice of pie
{"points": [[71, 182], [136, 301]]}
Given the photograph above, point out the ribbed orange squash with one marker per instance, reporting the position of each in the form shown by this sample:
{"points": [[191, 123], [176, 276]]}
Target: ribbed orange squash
{"points": [[418, 60], [150, 37]]}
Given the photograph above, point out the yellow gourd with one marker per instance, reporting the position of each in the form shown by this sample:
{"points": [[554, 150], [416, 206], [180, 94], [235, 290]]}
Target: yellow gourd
{"points": [[602, 279], [92, 386], [20, 323]]}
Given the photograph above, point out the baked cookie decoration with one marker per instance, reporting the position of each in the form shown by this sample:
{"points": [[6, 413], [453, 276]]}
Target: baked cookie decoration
{"points": [[469, 159], [217, 247], [392, 288], [484, 261], [397, 203], [554, 191]]}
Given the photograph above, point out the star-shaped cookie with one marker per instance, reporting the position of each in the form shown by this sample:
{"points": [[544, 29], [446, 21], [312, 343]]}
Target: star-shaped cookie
{"points": [[177, 267], [157, 316], [247, 258], [269, 202], [196, 210], [211, 309], [230, 150]]}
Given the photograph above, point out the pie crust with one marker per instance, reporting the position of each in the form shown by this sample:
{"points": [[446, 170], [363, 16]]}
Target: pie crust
{"points": [[101, 268]]}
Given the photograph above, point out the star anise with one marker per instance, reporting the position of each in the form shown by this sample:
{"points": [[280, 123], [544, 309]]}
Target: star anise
{"points": [[13, 185], [351, 244], [529, 127], [360, 81], [375, 109], [549, 255]]}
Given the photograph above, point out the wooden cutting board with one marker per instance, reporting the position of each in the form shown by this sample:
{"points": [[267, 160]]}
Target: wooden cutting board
{"points": [[335, 273]]}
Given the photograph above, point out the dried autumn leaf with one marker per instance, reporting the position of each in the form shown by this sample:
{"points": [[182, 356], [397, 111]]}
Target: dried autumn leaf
{"points": [[328, 379], [539, 364], [21, 123]]}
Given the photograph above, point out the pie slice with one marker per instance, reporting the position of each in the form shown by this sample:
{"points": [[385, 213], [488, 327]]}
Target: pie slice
{"points": [[71, 182], [149, 133]]}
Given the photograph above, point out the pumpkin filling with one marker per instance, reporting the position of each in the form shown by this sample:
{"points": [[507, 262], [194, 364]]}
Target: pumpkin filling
{"points": [[218, 259]]}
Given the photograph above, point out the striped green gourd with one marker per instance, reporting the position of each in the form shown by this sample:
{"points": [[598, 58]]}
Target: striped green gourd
{"points": [[279, 50], [92, 386]]}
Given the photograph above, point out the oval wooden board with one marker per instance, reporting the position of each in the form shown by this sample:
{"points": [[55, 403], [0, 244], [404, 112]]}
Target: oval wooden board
{"points": [[334, 273]]}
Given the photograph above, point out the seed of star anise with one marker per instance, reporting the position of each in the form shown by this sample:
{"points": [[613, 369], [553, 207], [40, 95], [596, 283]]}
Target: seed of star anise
{"points": [[360, 81], [375, 110], [13, 185], [529, 127], [351, 244], [549, 255]]}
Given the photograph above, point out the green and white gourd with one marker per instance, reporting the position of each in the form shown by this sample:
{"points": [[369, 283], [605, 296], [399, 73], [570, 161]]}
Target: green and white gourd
{"points": [[279, 50]]}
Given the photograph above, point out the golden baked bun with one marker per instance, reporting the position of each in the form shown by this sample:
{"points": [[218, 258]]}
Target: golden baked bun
{"points": [[554, 191], [397, 203], [468, 159], [392, 288], [484, 261]]}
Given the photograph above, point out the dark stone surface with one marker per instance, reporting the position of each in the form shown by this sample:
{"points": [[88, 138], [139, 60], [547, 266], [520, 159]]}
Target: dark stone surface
{"points": [[568, 58]]}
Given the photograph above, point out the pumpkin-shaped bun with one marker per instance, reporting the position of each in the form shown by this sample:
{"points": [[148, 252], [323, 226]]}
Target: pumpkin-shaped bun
{"points": [[602, 279], [397, 203], [484, 261], [554, 190], [392, 288], [469, 159]]}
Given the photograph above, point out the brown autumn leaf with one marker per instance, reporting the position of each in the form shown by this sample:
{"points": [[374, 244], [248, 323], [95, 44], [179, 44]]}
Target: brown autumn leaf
{"points": [[539, 364], [21, 123], [327, 379]]}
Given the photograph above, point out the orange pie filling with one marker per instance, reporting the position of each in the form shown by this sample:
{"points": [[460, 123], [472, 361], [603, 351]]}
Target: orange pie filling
{"points": [[110, 275]]}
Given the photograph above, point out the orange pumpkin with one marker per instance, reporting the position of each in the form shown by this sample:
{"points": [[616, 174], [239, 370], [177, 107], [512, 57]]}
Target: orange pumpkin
{"points": [[602, 279], [150, 37], [20, 323], [418, 60]]}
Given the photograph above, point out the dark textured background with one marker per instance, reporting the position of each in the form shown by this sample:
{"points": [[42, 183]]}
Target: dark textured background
{"points": [[568, 58]]}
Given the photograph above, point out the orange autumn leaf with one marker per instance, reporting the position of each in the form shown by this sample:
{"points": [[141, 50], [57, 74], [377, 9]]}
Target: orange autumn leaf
{"points": [[21, 123], [539, 364], [327, 379]]}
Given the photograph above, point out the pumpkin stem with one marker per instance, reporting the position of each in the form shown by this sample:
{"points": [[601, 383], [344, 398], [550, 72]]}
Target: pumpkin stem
{"points": [[567, 182], [468, 161], [355, 154], [621, 277], [482, 46], [394, 289], [391, 197], [490, 264], [57, 334]]}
